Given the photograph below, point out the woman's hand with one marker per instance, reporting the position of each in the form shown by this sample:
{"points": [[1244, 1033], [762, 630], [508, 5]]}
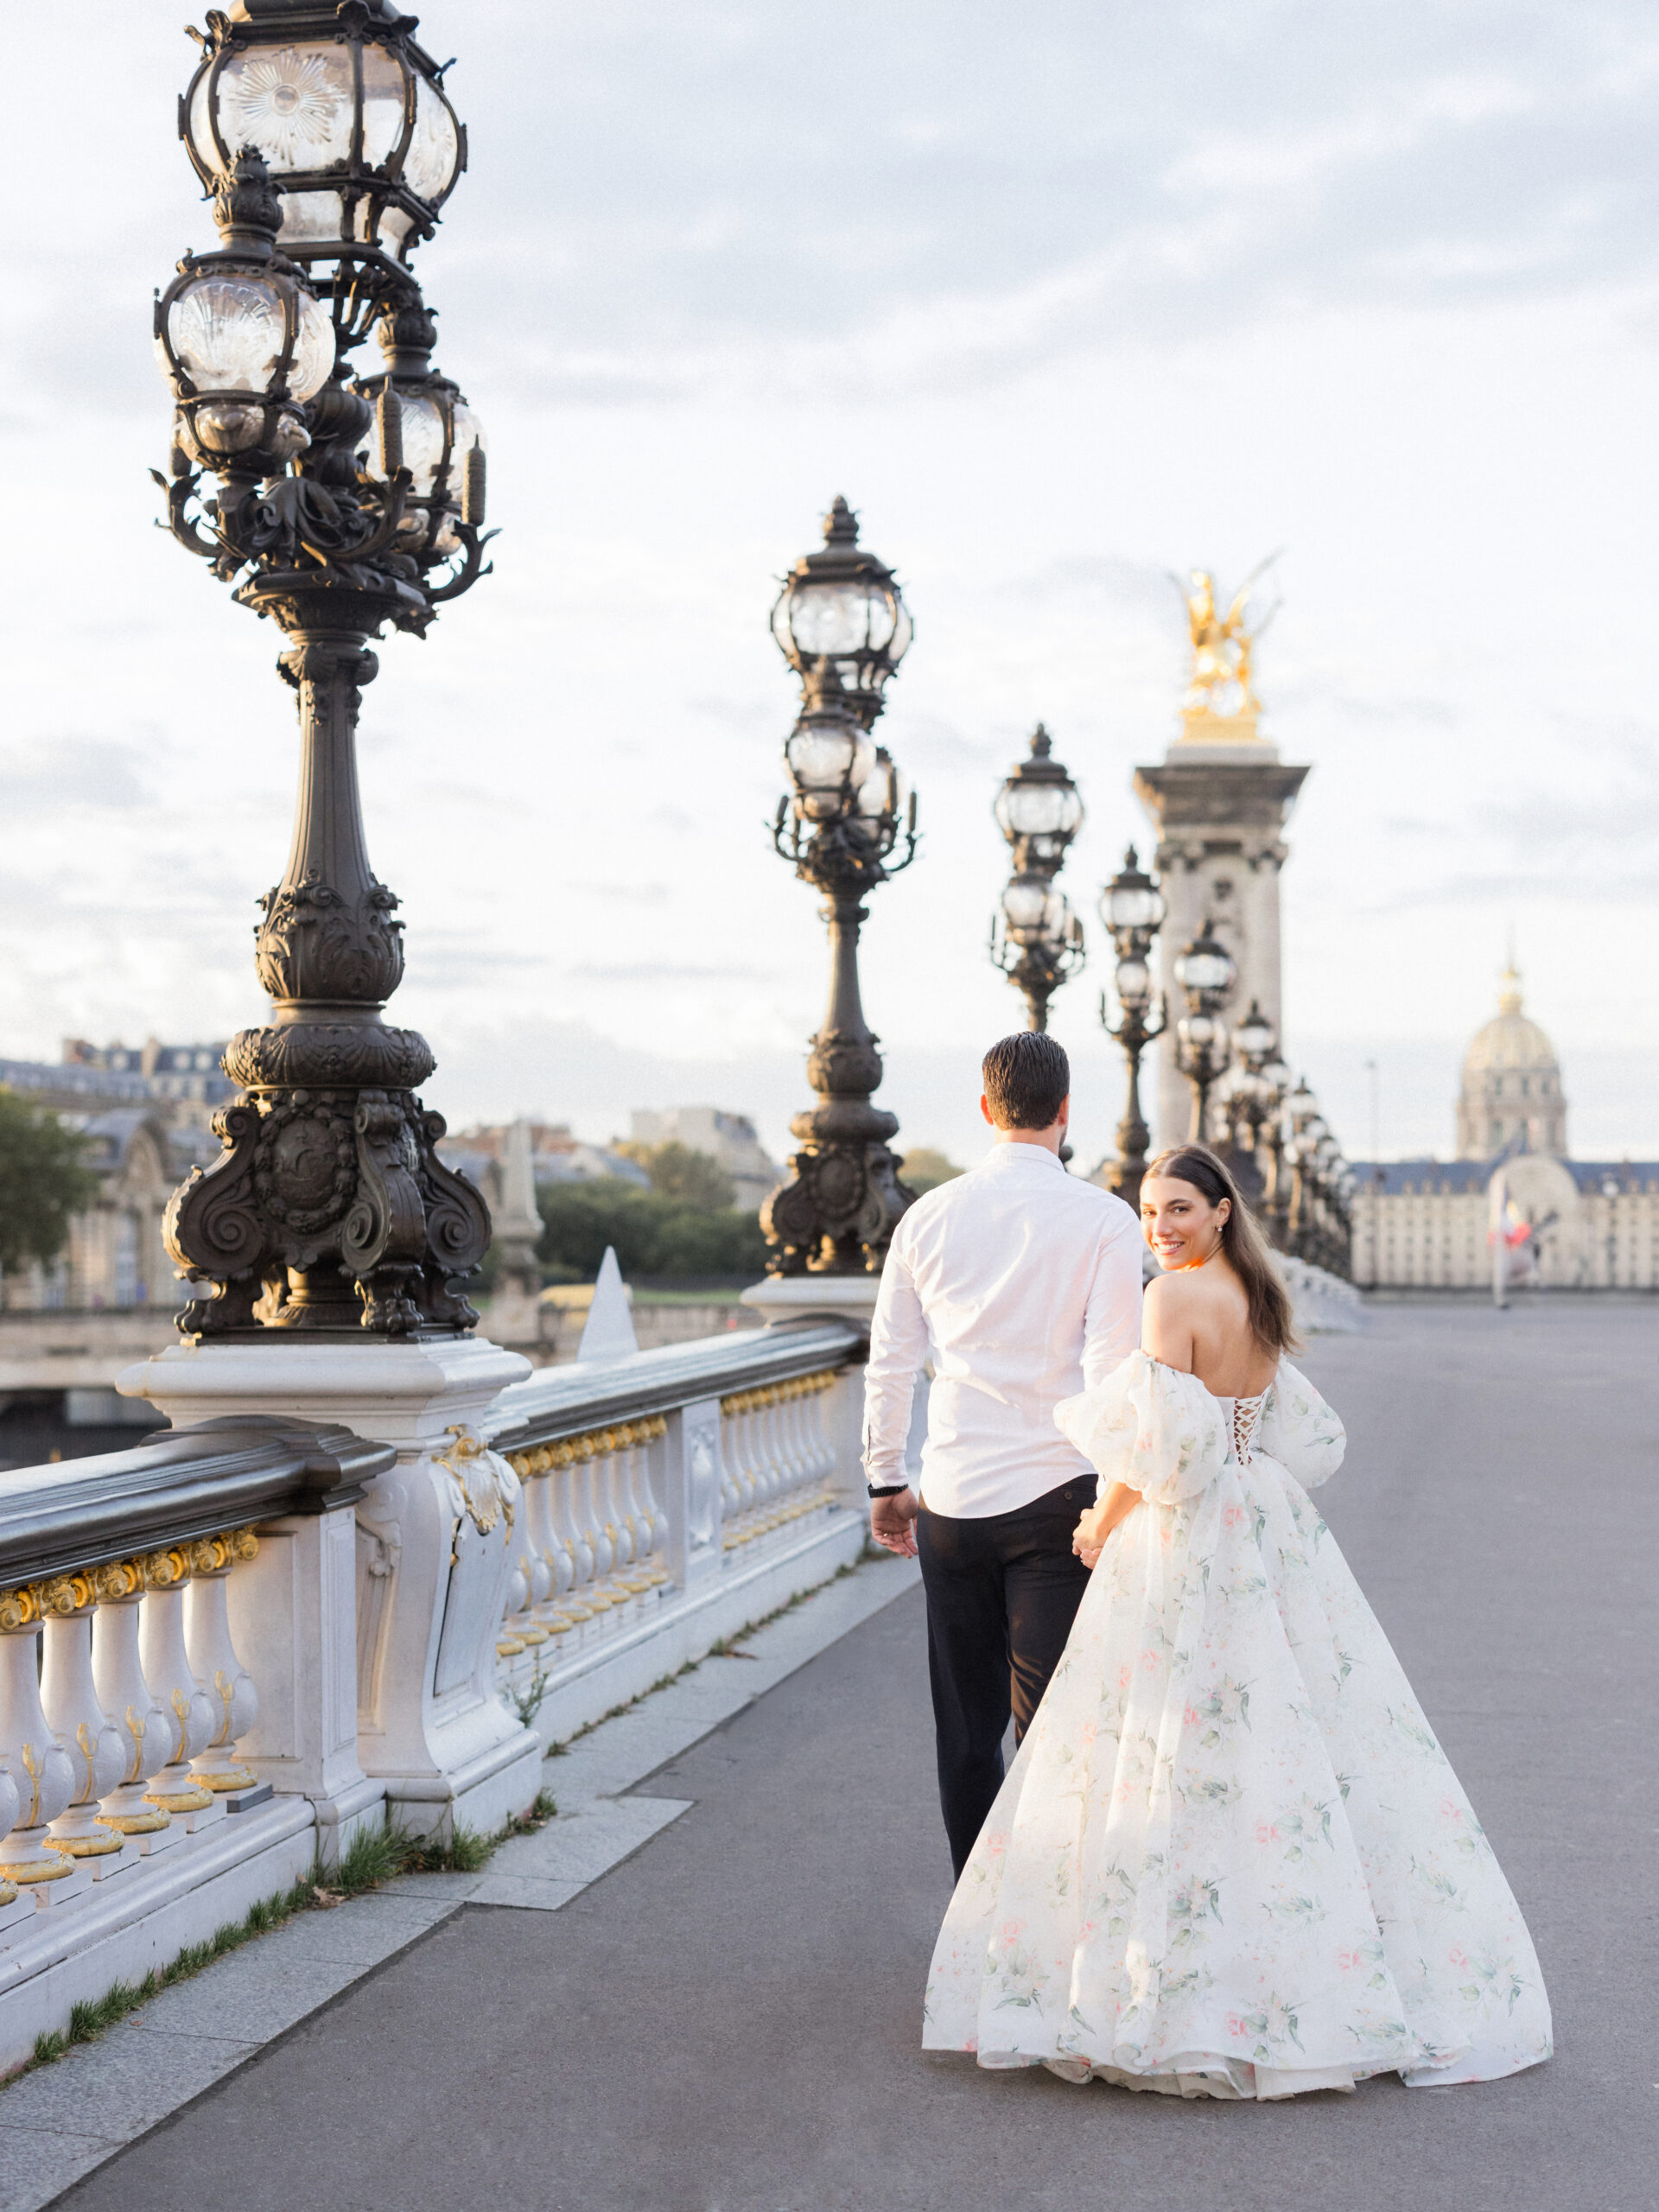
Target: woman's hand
{"points": [[1099, 1523], [1090, 1538]]}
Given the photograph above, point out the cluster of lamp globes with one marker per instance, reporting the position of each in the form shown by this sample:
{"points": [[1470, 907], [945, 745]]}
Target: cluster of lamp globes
{"points": [[357, 135], [842, 623]]}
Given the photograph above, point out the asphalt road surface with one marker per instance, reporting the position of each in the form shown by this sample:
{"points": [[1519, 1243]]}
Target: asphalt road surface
{"points": [[728, 2022]]}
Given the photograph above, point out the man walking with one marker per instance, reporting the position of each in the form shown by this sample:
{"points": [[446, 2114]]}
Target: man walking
{"points": [[1023, 1285]]}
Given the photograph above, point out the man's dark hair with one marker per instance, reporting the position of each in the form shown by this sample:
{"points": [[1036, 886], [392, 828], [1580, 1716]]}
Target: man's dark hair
{"points": [[1027, 1078]]}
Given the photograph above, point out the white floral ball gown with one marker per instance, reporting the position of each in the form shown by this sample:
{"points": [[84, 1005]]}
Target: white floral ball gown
{"points": [[1229, 1858]]}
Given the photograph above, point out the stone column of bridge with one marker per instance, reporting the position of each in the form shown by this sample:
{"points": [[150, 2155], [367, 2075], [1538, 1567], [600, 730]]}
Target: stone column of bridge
{"points": [[1219, 801]]}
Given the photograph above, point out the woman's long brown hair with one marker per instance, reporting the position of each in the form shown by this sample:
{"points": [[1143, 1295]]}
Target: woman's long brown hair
{"points": [[1241, 1240]]}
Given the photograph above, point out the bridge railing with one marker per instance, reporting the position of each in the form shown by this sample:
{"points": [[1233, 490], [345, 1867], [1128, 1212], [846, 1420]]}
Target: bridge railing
{"points": [[661, 1491], [127, 1697], [225, 1651]]}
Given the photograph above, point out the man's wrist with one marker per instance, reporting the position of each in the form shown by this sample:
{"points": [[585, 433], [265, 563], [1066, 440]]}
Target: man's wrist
{"points": [[886, 1490]]}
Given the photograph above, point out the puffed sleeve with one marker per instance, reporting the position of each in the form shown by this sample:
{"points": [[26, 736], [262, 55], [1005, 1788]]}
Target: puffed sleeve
{"points": [[1159, 1431], [1301, 1431]]}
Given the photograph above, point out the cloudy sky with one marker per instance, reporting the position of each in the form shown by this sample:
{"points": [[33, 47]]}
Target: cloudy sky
{"points": [[1063, 298]]}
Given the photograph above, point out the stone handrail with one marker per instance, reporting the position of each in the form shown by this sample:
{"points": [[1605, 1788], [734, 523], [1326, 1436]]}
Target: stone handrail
{"points": [[177, 1484]]}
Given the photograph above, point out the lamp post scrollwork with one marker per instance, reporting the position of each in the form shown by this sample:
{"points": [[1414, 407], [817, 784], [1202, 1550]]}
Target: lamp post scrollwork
{"points": [[343, 505], [1036, 939], [842, 625], [1132, 907]]}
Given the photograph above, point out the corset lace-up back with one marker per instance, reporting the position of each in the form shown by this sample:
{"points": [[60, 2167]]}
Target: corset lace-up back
{"points": [[1246, 1420]]}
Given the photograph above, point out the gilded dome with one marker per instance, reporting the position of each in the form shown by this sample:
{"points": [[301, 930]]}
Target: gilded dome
{"points": [[1510, 1039], [1512, 1096]]}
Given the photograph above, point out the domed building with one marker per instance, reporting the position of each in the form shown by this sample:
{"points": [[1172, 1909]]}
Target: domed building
{"points": [[1512, 1096], [1569, 1224]]}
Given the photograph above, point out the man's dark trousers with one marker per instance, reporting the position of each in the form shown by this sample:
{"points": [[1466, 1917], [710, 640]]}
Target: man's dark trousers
{"points": [[1002, 1594]]}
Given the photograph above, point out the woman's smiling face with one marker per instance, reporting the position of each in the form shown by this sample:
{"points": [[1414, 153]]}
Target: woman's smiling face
{"points": [[1179, 1222]]}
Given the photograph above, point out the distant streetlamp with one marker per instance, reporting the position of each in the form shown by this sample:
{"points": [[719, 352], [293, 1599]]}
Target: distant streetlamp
{"points": [[1249, 1100], [1132, 907], [842, 625], [1036, 940], [1206, 973], [344, 503], [1301, 1151], [1276, 1080]]}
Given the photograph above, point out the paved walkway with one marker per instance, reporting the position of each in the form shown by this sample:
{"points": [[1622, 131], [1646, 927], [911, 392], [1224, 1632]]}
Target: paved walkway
{"points": [[727, 2021]]}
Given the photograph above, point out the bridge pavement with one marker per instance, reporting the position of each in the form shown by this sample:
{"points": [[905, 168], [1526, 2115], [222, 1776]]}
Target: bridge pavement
{"points": [[727, 2022]]}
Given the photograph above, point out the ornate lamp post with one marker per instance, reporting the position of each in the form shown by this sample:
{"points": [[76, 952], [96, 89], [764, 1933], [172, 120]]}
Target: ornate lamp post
{"points": [[1132, 907], [1206, 973], [844, 626], [1036, 940], [1276, 1199], [1301, 1149], [344, 503], [1249, 1100]]}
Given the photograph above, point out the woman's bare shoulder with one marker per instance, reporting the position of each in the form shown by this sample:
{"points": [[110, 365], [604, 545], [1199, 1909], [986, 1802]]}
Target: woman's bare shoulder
{"points": [[1176, 1293]]}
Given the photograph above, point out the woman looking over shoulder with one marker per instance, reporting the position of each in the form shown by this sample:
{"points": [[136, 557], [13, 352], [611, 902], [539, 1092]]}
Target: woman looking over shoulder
{"points": [[1229, 1858], [1218, 1312]]}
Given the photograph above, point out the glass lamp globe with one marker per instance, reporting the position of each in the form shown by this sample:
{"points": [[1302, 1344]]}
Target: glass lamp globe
{"points": [[843, 606], [1276, 1075], [242, 348], [882, 796], [1040, 809], [437, 434], [1256, 1035], [1200, 1032], [1206, 970], [1034, 911], [355, 127], [1134, 982], [831, 759], [1132, 902]]}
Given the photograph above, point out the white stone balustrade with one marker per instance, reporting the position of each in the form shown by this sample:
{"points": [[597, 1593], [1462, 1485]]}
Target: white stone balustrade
{"points": [[344, 1592]]}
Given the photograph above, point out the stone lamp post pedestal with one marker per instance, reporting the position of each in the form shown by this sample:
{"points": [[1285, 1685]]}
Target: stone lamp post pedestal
{"points": [[387, 1614]]}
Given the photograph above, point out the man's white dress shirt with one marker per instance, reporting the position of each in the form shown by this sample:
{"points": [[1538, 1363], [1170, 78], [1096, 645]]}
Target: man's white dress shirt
{"points": [[1022, 1284]]}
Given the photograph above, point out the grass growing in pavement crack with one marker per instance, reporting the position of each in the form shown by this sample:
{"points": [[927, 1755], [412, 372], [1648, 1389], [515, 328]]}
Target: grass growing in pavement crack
{"points": [[373, 1856]]}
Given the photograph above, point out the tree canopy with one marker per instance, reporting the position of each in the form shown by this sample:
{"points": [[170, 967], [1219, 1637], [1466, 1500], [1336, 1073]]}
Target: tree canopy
{"points": [[695, 1179], [42, 1181], [654, 1234], [922, 1169]]}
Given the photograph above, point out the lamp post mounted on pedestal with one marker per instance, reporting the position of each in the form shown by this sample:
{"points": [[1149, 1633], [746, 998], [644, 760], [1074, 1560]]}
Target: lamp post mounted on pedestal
{"points": [[344, 504], [1132, 907], [1036, 939], [842, 625]]}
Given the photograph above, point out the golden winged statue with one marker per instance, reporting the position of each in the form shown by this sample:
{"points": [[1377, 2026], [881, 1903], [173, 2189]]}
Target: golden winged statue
{"points": [[1222, 687]]}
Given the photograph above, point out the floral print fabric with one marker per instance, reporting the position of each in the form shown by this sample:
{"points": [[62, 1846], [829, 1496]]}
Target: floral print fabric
{"points": [[1230, 1858]]}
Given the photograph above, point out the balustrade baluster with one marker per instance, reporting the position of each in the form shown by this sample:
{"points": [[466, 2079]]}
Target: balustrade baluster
{"points": [[592, 1494], [769, 1472], [567, 1517], [125, 1695], [212, 1659], [167, 1671], [612, 1505], [535, 1470], [96, 1746], [655, 1520], [41, 1769]]}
